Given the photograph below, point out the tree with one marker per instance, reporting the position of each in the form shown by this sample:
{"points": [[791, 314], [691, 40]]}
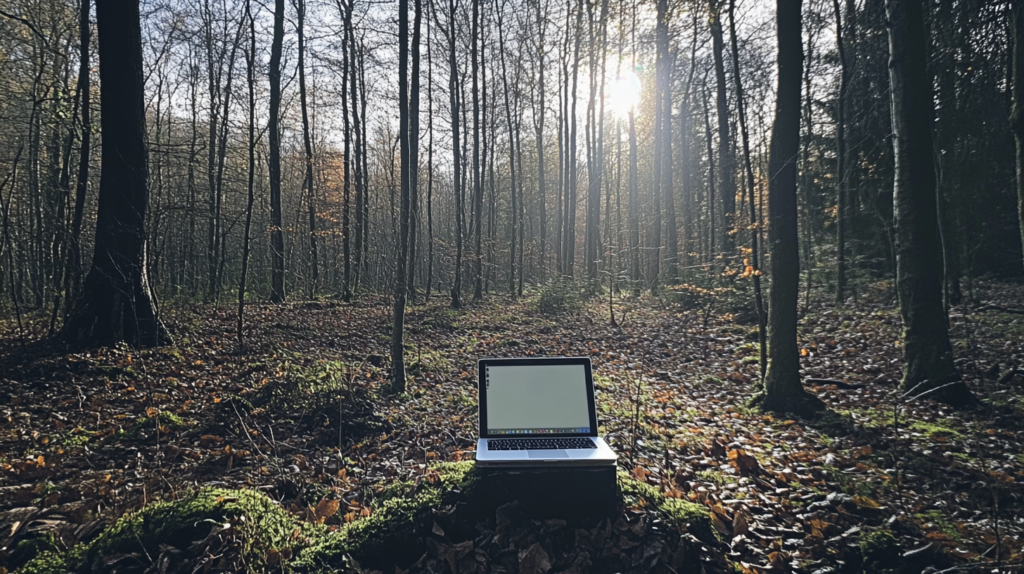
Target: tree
{"points": [[73, 274], [277, 293], [841, 181], [116, 304], [307, 145], [250, 69], [927, 352], [782, 389], [726, 156], [749, 180], [408, 170], [1017, 115], [414, 147]]}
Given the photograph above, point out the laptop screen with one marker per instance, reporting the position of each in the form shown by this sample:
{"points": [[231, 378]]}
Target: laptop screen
{"points": [[536, 399]]}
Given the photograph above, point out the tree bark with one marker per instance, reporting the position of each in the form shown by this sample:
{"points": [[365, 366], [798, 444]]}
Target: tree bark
{"points": [[664, 64], [407, 171], [927, 351], [1017, 114], [414, 148], [782, 389], [73, 276], [250, 68], [116, 304], [277, 292], [307, 182], [453, 96], [841, 182], [726, 157]]}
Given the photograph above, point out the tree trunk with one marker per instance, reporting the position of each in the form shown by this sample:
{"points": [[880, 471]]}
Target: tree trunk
{"points": [[453, 96], [430, 167], [250, 67], [116, 304], [408, 170], [755, 268], [663, 71], [634, 207], [782, 389], [539, 127], [414, 149], [348, 94], [709, 255], [478, 184], [73, 276], [1017, 114], [277, 293], [726, 157], [926, 347], [307, 144], [841, 183]]}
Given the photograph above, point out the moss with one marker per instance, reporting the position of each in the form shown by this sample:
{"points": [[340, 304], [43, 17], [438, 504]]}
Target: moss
{"points": [[688, 515], [261, 522], [880, 551], [393, 523], [933, 429], [46, 562], [142, 424], [713, 476]]}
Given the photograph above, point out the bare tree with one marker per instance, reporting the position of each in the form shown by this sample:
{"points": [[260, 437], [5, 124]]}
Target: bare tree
{"points": [[408, 170], [782, 389], [250, 68], [927, 351], [116, 303], [277, 289], [726, 156], [755, 269], [1017, 115]]}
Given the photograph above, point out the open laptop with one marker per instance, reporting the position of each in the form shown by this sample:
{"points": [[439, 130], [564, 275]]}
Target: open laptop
{"points": [[539, 412]]}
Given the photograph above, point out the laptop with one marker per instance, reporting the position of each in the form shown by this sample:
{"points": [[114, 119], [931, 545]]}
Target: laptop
{"points": [[539, 412]]}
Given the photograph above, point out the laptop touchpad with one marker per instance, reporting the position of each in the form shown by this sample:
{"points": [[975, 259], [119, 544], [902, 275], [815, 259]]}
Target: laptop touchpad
{"points": [[553, 453]]}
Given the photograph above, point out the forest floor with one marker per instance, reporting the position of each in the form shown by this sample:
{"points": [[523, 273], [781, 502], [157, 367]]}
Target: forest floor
{"points": [[302, 414]]}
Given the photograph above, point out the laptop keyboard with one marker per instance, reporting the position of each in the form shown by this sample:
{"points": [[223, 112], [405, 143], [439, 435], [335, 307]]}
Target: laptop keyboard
{"points": [[539, 443]]}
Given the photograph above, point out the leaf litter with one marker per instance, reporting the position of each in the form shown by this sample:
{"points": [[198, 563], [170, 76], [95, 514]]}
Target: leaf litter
{"points": [[302, 414]]}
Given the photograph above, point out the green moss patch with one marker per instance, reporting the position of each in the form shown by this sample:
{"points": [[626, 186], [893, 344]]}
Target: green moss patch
{"points": [[245, 530], [688, 516]]}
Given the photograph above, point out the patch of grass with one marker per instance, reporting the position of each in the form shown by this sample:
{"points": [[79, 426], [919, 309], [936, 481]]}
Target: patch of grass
{"points": [[709, 380]]}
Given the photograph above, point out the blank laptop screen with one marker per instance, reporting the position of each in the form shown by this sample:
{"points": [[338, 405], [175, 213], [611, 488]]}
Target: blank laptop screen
{"points": [[537, 399]]}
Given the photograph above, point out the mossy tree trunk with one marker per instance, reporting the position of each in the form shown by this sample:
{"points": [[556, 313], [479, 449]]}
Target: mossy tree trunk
{"points": [[927, 350], [782, 389], [116, 304]]}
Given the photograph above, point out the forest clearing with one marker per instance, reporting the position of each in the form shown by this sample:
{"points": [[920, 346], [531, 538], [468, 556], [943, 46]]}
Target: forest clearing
{"points": [[90, 437], [251, 252]]}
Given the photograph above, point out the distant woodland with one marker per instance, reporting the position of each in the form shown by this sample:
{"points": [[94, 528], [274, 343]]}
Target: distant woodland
{"points": [[218, 150]]}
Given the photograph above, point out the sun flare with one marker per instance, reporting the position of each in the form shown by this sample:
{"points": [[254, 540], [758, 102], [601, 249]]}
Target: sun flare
{"points": [[624, 93]]}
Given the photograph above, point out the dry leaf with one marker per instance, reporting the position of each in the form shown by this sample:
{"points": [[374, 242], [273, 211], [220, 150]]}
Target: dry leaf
{"points": [[325, 509]]}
